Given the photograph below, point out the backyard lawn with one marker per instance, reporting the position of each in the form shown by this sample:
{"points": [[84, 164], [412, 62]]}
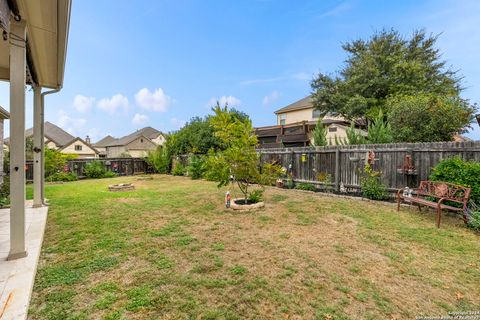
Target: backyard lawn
{"points": [[169, 250]]}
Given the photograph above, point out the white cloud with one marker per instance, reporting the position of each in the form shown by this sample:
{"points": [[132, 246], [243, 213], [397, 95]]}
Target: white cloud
{"points": [[113, 104], [337, 10], [139, 119], [262, 80], [223, 100], [69, 124], [154, 101], [176, 123], [302, 76], [271, 98], [83, 103]]}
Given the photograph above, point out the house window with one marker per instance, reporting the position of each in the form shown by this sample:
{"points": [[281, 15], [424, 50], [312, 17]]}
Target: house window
{"points": [[141, 140], [283, 119], [334, 129], [316, 114], [78, 147]]}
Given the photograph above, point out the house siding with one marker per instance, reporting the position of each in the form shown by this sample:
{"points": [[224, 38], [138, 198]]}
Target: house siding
{"points": [[86, 151], [140, 147], [296, 116], [115, 151]]}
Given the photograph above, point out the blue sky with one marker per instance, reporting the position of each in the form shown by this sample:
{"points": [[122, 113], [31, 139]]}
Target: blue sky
{"points": [[136, 63]]}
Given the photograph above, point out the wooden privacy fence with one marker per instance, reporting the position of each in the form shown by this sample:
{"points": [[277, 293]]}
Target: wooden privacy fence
{"points": [[401, 164], [121, 166]]}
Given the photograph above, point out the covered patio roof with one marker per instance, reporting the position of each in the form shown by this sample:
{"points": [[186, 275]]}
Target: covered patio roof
{"points": [[47, 23]]}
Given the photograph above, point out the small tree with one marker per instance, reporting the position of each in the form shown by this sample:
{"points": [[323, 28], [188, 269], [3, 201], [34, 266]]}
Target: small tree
{"points": [[380, 131], [354, 135], [320, 134], [237, 162]]}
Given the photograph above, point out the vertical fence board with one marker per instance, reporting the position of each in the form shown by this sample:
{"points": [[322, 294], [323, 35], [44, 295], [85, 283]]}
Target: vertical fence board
{"points": [[322, 161]]}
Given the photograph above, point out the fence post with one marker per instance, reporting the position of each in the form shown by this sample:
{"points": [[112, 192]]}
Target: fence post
{"points": [[337, 169]]}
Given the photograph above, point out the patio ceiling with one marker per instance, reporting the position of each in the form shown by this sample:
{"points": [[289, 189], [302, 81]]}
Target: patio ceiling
{"points": [[47, 36]]}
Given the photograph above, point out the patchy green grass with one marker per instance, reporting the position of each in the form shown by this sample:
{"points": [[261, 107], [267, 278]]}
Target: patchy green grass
{"points": [[169, 250]]}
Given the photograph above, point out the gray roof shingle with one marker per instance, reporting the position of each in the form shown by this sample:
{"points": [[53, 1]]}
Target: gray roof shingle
{"points": [[304, 103], [147, 132], [52, 132], [105, 141]]}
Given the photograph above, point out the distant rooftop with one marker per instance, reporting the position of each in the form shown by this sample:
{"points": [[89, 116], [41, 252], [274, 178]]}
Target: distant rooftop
{"points": [[53, 133], [304, 103], [148, 132]]}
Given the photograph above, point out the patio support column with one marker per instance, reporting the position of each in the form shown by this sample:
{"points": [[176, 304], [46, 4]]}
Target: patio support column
{"points": [[17, 139], [42, 152], [37, 147]]}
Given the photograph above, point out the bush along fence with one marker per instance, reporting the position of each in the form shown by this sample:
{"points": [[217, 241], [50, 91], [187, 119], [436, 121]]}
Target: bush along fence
{"points": [[119, 166], [342, 168]]}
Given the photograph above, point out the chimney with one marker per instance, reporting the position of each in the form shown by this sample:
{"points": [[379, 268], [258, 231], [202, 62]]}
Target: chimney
{"points": [[87, 139]]}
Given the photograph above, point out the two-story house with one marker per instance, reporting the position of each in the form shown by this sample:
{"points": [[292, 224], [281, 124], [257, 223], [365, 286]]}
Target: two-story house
{"points": [[136, 144], [295, 123], [58, 139]]}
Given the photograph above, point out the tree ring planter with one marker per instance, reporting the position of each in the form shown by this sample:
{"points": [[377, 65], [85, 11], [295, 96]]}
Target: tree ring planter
{"points": [[121, 187], [239, 204]]}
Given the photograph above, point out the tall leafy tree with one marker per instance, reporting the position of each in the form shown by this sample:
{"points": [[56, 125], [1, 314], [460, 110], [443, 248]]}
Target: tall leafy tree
{"points": [[385, 65], [197, 136], [428, 117]]}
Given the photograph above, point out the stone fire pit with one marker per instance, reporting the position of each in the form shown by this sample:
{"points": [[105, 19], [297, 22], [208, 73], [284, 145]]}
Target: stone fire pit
{"points": [[240, 205], [121, 187]]}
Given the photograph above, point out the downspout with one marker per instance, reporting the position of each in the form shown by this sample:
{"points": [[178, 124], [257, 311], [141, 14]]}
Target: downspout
{"points": [[43, 145]]}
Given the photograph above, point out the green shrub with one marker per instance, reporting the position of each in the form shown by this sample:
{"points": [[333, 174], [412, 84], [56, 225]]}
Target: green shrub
{"points": [[306, 186], [62, 176], [458, 171], [290, 184], [95, 169], [474, 221], [196, 169], [372, 186], [160, 159], [178, 169], [255, 196], [5, 192], [55, 161], [109, 174]]}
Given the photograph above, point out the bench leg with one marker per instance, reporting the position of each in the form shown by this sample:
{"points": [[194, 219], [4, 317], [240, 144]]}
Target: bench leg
{"points": [[419, 208], [439, 216], [398, 203]]}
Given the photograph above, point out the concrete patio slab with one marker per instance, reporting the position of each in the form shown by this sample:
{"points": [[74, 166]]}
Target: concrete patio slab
{"points": [[17, 276]]}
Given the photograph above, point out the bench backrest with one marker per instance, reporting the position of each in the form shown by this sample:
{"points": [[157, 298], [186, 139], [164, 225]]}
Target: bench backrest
{"points": [[449, 191]]}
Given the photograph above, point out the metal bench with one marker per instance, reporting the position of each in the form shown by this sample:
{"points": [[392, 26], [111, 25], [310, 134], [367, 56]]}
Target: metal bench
{"points": [[442, 192]]}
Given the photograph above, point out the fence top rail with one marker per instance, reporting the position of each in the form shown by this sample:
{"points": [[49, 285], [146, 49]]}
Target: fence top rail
{"points": [[424, 146]]}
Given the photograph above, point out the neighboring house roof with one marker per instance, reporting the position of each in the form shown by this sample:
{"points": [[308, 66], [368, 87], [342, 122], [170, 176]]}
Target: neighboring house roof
{"points": [[81, 140], [147, 132], [105, 141], [304, 103], [53, 133], [4, 114]]}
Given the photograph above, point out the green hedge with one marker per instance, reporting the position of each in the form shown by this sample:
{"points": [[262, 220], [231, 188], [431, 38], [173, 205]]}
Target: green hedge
{"points": [[458, 171]]}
